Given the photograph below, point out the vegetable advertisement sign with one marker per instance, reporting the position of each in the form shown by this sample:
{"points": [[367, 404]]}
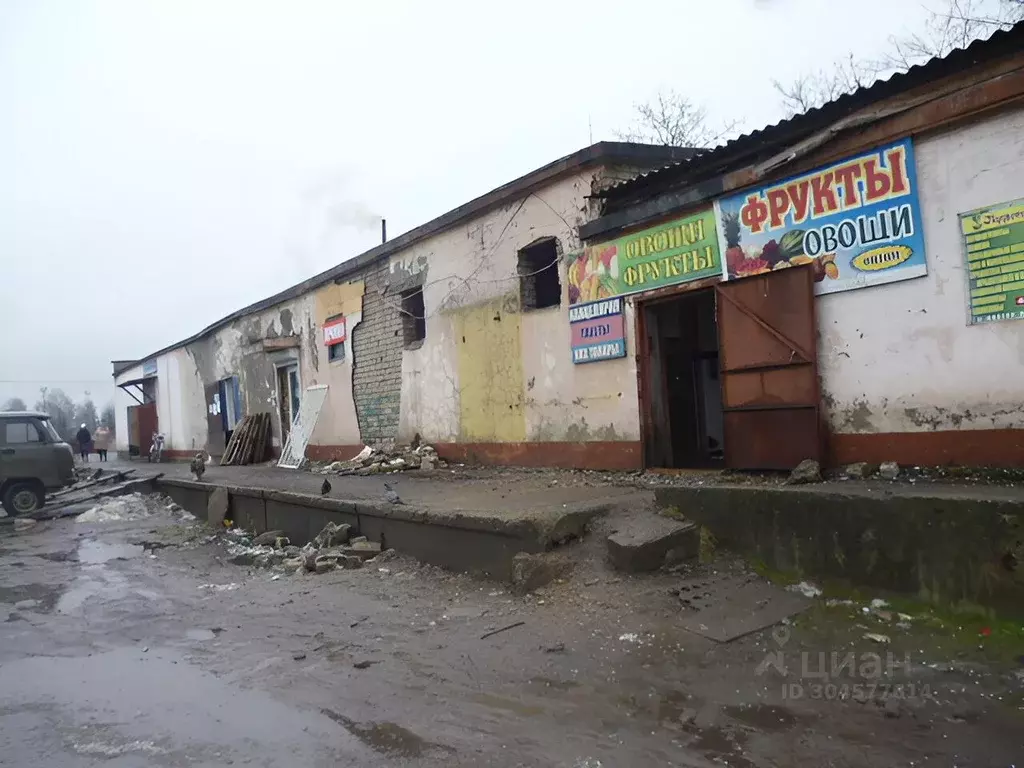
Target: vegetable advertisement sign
{"points": [[682, 250], [994, 242], [857, 222]]}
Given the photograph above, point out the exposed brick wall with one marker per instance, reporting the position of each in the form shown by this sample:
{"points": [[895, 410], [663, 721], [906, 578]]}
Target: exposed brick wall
{"points": [[377, 359]]}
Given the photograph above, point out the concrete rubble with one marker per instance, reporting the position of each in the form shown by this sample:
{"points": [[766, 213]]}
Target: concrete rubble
{"points": [[332, 548], [372, 461], [807, 471], [889, 470]]}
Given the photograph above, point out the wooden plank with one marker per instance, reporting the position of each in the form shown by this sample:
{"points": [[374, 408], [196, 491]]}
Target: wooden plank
{"points": [[121, 475]]}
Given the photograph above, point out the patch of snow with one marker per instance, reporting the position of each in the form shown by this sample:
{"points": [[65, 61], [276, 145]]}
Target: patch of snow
{"points": [[219, 587], [116, 750], [805, 588]]}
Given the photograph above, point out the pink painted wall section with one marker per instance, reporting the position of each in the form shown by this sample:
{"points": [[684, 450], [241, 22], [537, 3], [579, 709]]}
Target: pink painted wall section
{"points": [[599, 330]]}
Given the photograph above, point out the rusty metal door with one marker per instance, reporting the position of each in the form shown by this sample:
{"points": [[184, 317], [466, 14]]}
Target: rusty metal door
{"points": [[148, 424], [215, 442], [768, 350]]}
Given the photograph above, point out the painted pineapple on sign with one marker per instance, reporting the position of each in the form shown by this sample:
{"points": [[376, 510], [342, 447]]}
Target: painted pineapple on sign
{"points": [[594, 274], [787, 252]]}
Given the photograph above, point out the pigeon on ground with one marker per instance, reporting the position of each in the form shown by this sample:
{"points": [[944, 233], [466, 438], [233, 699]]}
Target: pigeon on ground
{"points": [[198, 466], [325, 488], [391, 495]]}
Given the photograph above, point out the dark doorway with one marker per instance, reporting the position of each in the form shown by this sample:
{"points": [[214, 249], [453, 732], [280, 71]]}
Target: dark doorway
{"points": [[684, 423]]}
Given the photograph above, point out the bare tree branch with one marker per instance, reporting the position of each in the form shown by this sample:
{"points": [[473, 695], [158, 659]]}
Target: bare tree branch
{"points": [[671, 119], [956, 24]]}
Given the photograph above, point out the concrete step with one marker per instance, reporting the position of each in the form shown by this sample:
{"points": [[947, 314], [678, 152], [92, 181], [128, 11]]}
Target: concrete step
{"points": [[649, 541]]}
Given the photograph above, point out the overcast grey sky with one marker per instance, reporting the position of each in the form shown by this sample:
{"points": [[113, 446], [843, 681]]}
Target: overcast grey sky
{"points": [[165, 162]]}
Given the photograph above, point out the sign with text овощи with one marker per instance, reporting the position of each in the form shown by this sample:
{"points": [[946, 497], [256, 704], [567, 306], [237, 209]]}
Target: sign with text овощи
{"points": [[334, 331], [598, 331], [682, 250], [857, 222], [994, 247]]}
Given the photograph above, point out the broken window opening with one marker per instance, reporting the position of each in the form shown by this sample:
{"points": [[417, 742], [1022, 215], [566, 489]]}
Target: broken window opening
{"points": [[414, 321], [539, 283]]}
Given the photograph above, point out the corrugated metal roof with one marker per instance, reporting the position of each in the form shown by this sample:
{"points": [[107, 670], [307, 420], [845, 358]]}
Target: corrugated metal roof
{"points": [[703, 164]]}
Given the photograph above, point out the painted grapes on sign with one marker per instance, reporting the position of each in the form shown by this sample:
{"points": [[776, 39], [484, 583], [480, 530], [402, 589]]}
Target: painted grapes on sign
{"points": [[857, 223]]}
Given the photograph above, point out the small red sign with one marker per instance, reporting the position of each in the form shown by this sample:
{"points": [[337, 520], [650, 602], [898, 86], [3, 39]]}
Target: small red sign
{"points": [[334, 331], [1020, 301]]}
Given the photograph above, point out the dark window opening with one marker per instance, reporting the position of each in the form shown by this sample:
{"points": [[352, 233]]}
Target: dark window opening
{"points": [[414, 321], [539, 284], [336, 352]]}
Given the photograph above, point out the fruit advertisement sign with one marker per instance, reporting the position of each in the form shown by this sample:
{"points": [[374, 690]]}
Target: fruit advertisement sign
{"points": [[857, 222], [681, 250], [994, 245]]}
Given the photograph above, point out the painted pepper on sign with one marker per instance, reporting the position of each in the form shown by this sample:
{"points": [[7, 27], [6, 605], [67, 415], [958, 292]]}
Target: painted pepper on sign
{"points": [[857, 222], [598, 331]]}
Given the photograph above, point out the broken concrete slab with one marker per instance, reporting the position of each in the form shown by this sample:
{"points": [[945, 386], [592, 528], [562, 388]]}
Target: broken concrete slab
{"points": [[807, 471], [332, 535], [651, 541], [725, 606], [860, 470], [268, 539], [362, 549], [217, 506], [530, 572]]}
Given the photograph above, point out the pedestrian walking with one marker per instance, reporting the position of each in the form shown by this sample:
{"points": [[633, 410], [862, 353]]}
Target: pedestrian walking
{"points": [[101, 442], [84, 440]]}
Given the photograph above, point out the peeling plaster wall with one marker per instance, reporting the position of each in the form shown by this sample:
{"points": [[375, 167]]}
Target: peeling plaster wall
{"points": [[901, 357], [338, 425], [184, 374], [488, 371]]}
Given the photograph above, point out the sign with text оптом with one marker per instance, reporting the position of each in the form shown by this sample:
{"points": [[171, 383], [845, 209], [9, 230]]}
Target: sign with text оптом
{"points": [[994, 244], [857, 222], [681, 250], [598, 331]]}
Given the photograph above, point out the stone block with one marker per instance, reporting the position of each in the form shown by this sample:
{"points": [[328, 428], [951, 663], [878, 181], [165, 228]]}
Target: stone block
{"points": [[652, 541]]}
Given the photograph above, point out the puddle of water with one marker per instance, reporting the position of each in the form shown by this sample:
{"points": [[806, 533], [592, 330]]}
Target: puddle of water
{"points": [[75, 596], [58, 557], [387, 738], [511, 705], [201, 634], [721, 745], [44, 595], [765, 717], [93, 552], [163, 706]]}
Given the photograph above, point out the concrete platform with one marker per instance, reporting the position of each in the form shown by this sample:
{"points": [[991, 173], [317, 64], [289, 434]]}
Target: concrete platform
{"points": [[959, 545], [483, 541]]}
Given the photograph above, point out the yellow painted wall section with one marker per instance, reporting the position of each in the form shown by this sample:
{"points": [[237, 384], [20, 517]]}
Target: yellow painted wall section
{"points": [[487, 337], [338, 424]]}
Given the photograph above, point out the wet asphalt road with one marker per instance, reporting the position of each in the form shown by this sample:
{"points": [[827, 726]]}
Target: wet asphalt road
{"points": [[134, 643]]}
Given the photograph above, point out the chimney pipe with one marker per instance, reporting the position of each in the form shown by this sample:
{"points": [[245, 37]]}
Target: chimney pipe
{"points": [[383, 231]]}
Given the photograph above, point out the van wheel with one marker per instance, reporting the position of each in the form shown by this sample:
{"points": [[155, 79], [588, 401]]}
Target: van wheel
{"points": [[23, 498]]}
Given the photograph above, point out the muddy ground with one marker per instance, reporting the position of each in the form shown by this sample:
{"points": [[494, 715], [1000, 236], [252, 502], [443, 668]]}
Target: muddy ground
{"points": [[134, 643]]}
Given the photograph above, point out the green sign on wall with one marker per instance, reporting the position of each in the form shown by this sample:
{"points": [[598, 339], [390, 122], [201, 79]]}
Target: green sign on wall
{"points": [[994, 241], [679, 251]]}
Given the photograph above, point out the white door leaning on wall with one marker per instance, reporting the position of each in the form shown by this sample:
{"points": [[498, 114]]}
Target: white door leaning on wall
{"points": [[312, 401]]}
